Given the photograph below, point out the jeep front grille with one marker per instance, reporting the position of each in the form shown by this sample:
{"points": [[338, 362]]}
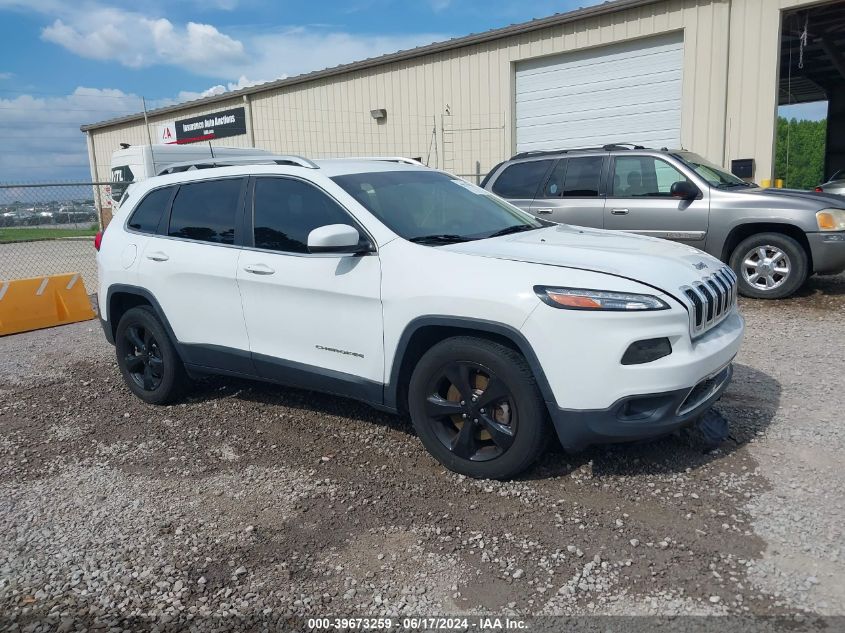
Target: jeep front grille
{"points": [[710, 300]]}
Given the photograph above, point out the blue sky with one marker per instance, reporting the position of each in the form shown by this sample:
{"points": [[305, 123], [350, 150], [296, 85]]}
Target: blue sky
{"points": [[66, 63]]}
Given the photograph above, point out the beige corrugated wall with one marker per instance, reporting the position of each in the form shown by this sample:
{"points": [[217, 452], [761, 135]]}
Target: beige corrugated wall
{"points": [[755, 28], [454, 109]]}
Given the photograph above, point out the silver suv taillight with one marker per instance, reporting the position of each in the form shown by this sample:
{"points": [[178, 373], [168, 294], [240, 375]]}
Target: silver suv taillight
{"points": [[710, 300]]}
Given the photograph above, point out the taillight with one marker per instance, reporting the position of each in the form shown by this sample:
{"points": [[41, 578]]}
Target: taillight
{"points": [[98, 240], [819, 190]]}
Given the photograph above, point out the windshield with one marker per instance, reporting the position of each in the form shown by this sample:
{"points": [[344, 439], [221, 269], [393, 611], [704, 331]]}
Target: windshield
{"points": [[429, 206], [713, 174]]}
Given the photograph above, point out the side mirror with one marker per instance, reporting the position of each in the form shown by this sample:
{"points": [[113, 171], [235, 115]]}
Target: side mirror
{"points": [[335, 238], [684, 190]]}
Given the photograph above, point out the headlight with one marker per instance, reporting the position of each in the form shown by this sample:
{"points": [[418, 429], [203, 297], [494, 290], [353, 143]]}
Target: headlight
{"points": [[584, 299], [831, 219]]}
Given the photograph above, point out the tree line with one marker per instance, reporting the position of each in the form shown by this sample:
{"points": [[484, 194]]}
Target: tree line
{"points": [[806, 145]]}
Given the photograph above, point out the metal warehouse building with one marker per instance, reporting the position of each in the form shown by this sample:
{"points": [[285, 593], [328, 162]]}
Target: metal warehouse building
{"points": [[705, 75]]}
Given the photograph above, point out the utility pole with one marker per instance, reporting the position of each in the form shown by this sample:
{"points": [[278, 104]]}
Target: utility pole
{"points": [[146, 121]]}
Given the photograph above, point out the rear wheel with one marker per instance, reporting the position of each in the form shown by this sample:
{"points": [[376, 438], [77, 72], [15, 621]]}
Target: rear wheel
{"points": [[147, 359], [476, 407], [769, 266]]}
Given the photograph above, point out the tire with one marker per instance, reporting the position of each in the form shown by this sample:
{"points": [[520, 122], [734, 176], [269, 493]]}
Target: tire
{"points": [[157, 376], [782, 271], [500, 442]]}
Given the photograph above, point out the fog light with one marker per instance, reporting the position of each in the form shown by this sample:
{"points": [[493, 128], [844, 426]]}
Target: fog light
{"points": [[647, 351]]}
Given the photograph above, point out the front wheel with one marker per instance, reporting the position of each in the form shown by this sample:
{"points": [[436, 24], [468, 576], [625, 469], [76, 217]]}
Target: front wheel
{"points": [[476, 407], [769, 266]]}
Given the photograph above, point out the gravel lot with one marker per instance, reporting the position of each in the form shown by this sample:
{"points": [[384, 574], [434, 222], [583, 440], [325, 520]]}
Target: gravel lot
{"points": [[262, 502], [19, 260]]}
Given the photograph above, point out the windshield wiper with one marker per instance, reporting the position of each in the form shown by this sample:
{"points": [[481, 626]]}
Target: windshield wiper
{"points": [[444, 238], [519, 228]]}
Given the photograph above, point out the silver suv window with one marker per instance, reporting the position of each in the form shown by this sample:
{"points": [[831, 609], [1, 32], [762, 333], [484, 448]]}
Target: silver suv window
{"points": [[577, 177], [521, 180], [643, 177], [713, 174]]}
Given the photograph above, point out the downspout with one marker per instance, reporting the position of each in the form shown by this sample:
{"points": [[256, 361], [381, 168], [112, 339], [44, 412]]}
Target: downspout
{"points": [[250, 132], [726, 126]]}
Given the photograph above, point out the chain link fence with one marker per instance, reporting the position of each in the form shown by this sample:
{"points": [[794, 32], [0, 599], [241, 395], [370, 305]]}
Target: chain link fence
{"points": [[48, 228]]}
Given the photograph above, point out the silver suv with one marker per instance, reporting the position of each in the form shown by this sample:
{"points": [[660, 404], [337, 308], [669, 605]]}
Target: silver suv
{"points": [[772, 238]]}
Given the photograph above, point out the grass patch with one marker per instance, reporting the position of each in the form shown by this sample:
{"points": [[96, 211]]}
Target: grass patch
{"points": [[23, 235]]}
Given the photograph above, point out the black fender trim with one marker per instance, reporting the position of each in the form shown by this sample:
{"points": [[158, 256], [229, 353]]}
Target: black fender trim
{"points": [[110, 326], [391, 389]]}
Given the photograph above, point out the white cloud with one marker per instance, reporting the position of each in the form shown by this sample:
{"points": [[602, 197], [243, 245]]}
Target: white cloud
{"points": [[40, 138], [219, 89], [137, 41], [6, 75], [302, 49], [439, 5]]}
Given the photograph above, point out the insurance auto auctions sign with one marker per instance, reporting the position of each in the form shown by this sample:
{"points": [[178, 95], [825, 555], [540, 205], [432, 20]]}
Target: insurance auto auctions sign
{"points": [[210, 126]]}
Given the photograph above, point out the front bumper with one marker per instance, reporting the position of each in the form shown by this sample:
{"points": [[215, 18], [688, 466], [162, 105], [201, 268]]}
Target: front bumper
{"points": [[828, 251], [639, 417]]}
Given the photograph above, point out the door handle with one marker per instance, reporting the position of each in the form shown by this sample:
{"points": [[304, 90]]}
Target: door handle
{"points": [[259, 269], [545, 211], [158, 256], [619, 211]]}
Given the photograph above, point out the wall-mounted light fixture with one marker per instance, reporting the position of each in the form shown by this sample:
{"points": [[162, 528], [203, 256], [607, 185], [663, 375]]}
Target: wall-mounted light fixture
{"points": [[379, 114]]}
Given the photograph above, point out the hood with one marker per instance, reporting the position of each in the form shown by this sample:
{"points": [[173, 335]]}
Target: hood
{"points": [[811, 200], [655, 262]]}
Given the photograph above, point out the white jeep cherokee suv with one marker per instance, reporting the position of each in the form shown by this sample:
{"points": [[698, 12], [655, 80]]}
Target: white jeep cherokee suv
{"points": [[414, 291]]}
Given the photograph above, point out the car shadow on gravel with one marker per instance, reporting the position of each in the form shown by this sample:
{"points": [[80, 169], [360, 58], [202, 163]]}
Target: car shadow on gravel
{"points": [[832, 285], [820, 292], [749, 405], [213, 388]]}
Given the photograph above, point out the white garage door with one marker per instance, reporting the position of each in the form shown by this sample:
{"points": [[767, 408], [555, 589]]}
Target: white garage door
{"points": [[623, 93]]}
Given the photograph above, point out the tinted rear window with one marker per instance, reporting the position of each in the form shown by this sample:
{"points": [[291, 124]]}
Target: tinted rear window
{"points": [[206, 211], [521, 180], [583, 176], [146, 217]]}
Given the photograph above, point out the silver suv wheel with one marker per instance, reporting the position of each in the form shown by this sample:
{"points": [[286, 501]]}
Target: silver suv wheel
{"points": [[766, 267], [769, 265]]}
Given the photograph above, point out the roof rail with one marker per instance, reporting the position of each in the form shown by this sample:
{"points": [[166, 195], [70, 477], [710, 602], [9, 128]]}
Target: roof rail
{"points": [[229, 161], [387, 159], [615, 146], [611, 147]]}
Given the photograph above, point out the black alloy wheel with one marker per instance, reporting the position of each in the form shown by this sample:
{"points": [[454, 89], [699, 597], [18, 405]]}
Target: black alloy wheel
{"points": [[148, 361], [143, 359], [476, 407], [471, 411]]}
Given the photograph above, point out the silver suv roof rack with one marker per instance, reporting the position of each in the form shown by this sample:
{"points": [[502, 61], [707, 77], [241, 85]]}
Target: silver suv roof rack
{"points": [[610, 147], [229, 161]]}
